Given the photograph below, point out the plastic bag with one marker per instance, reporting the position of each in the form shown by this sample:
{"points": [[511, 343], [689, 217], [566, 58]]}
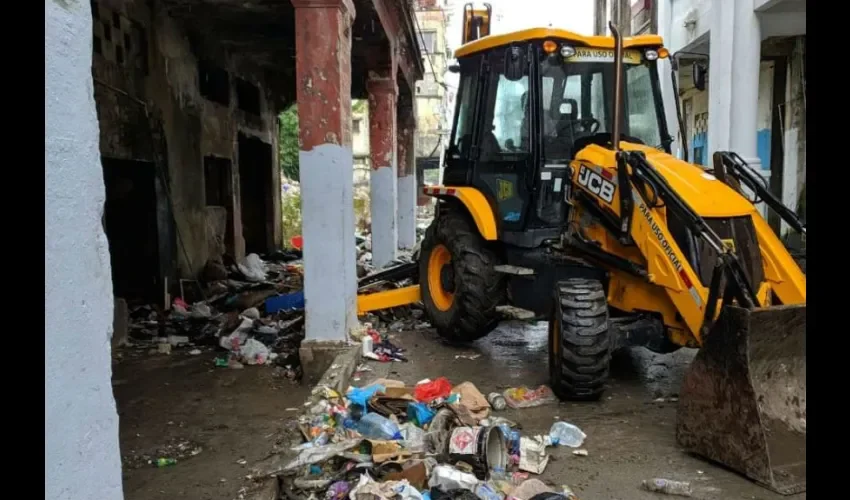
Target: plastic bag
{"points": [[419, 413], [413, 438], [254, 352], [253, 268], [434, 389], [361, 395], [523, 397]]}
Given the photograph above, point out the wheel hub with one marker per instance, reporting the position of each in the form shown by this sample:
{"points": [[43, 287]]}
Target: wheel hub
{"points": [[447, 278]]}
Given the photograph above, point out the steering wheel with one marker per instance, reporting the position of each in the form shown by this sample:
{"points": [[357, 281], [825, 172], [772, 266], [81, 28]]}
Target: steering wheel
{"points": [[589, 125]]}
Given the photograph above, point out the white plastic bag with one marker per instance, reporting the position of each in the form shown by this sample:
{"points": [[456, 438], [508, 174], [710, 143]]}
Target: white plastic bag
{"points": [[253, 268]]}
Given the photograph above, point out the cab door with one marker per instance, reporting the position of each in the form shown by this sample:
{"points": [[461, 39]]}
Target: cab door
{"points": [[504, 151]]}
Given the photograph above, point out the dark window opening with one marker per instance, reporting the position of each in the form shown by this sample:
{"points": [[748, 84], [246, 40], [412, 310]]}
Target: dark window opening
{"points": [[248, 96], [214, 83], [116, 20], [127, 42], [217, 181], [107, 32], [119, 54], [97, 45], [95, 10], [255, 193]]}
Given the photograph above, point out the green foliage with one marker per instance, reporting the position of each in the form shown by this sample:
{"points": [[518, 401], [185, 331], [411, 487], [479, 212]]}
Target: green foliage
{"points": [[290, 208], [361, 211], [289, 144], [358, 106]]}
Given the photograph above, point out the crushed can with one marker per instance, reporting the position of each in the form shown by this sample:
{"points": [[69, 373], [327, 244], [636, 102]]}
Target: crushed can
{"points": [[497, 401]]}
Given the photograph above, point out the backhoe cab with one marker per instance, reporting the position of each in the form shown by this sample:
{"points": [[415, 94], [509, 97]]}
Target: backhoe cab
{"points": [[561, 198]]}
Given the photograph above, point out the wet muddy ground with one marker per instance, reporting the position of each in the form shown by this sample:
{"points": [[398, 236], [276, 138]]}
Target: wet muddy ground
{"points": [[181, 404], [181, 400], [630, 437]]}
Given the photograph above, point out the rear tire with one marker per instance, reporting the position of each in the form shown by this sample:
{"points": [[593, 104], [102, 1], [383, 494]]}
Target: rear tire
{"points": [[462, 306], [579, 340]]}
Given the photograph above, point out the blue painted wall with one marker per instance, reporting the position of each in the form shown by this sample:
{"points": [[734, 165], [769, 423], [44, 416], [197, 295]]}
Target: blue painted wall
{"points": [[763, 148], [699, 143]]}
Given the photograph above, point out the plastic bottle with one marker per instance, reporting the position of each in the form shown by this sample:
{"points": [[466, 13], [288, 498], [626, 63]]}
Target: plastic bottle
{"points": [[376, 426], [566, 434], [165, 462], [658, 485]]}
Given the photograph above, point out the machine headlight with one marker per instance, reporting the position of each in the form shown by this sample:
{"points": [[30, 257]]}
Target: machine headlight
{"points": [[651, 55], [567, 51]]}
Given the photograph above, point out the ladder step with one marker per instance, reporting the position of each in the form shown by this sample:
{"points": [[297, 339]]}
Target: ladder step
{"points": [[515, 270]]}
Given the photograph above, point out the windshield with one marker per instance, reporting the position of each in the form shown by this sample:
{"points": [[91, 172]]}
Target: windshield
{"points": [[577, 102]]}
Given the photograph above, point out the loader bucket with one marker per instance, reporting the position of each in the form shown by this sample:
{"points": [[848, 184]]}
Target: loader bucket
{"points": [[743, 400]]}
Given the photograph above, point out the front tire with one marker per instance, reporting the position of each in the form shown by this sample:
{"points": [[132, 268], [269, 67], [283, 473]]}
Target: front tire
{"points": [[460, 286], [579, 340]]}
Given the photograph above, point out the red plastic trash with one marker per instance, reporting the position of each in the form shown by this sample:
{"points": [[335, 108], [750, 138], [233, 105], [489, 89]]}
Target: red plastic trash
{"points": [[435, 389], [296, 242]]}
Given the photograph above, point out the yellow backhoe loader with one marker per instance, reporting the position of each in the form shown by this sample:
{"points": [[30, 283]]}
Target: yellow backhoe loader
{"points": [[561, 197]]}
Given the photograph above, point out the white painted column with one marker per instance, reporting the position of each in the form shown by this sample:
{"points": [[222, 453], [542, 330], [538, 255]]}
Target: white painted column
{"points": [[794, 157], [82, 458], [733, 81], [327, 226], [383, 185], [407, 177], [665, 19], [326, 161], [407, 210]]}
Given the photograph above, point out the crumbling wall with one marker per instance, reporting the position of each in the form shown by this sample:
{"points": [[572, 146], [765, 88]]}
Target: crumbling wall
{"points": [[149, 87]]}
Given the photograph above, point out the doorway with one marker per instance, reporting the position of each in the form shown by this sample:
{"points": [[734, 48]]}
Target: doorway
{"points": [[255, 189], [130, 223], [218, 183]]}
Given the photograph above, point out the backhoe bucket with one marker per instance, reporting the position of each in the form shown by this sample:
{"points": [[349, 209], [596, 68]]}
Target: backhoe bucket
{"points": [[743, 400]]}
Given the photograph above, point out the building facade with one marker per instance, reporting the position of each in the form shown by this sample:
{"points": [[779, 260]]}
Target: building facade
{"points": [[431, 93], [754, 101]]}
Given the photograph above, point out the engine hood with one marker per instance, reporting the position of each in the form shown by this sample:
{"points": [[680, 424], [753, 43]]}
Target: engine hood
{"points": [[704, 193]]}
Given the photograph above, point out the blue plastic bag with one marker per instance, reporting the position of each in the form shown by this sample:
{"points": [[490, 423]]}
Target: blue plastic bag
{"points": [[361, 395], [419, 413]]}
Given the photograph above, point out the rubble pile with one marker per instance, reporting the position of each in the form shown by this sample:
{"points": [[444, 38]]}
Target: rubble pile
{"points": [[252, 311], [389, 441]]}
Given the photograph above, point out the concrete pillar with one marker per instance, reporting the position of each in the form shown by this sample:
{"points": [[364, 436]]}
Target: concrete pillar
{"points": [[407, 192], [323, 70], [82, 458], [733, 80], [383, 144]]}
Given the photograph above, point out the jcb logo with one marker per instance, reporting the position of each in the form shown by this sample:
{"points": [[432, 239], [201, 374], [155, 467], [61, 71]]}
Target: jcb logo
{"points": [[730, 244], [596, 184], [506, 189]]}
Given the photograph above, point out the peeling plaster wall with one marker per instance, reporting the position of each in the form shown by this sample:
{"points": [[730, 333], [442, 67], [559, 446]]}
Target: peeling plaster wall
{"points": [[192, 126], [82, 457]]}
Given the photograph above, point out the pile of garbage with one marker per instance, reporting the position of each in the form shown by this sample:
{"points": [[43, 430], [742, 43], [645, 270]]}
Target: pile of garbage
{"points": [[251, 311], [428, 442]]}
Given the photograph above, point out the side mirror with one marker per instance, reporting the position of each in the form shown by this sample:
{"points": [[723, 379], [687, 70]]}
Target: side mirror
{"points": [[699, 74], [454, 68], [514, 64]]}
